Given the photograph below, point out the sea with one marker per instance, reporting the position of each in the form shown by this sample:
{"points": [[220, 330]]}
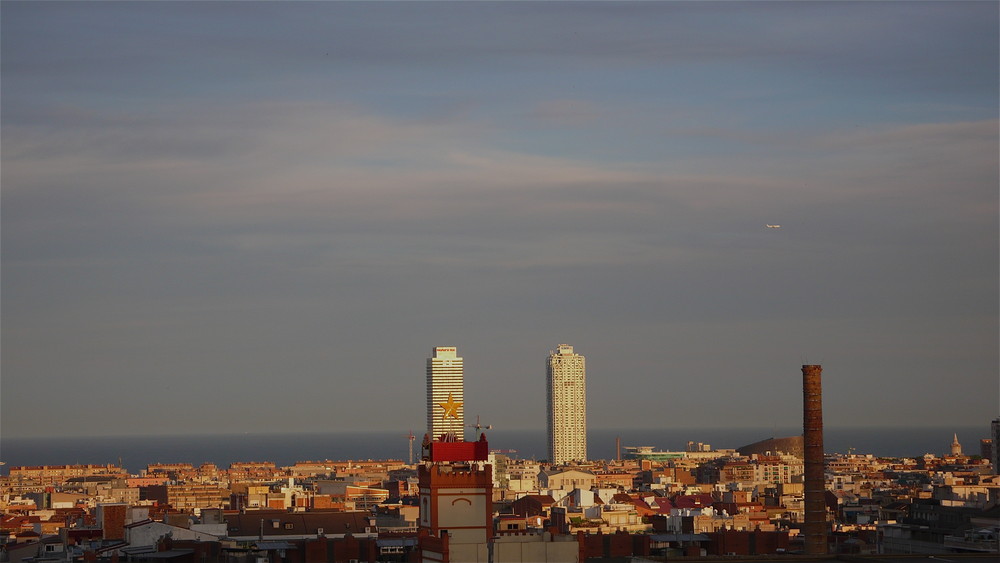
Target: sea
{"points": [[136, 452]]}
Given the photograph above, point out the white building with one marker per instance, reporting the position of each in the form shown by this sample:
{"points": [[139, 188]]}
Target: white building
{"points": [[565, 480], [566, 389], [445, 393], [522, 476]]}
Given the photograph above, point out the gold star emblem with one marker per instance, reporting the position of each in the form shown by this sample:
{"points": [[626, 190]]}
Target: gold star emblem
{"points": [[450, 408]]}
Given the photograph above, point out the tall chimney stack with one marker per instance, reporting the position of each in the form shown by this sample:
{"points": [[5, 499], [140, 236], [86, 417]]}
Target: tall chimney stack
{"points": [[815, 478]]}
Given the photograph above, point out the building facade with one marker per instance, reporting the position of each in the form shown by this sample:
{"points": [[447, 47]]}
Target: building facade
{"points": [[456, 502], [445, 393], [45, 475], [566, 390]]}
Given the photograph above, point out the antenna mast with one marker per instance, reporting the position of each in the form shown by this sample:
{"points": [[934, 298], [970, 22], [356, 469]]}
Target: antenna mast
{"points": [[479, 427]]}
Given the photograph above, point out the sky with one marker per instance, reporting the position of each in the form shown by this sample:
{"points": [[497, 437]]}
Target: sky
{"points": [[224, 217]]}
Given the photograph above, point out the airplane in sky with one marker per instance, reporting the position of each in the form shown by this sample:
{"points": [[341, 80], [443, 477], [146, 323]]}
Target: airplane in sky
{"points": [[773, 226]]}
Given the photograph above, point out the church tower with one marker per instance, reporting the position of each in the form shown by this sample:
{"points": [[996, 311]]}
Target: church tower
{"points": [[956, 448]]}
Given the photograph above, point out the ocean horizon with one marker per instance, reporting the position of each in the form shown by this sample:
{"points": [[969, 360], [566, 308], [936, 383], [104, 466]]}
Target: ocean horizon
{"points": [[137, 452]]}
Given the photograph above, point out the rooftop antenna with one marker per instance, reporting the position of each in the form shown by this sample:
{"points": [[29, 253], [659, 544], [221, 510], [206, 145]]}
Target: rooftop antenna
{"points": [[479, 427]]}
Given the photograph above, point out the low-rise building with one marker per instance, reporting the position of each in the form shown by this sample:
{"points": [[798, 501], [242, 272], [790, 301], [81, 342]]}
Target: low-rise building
{"points": [[567, 479]]}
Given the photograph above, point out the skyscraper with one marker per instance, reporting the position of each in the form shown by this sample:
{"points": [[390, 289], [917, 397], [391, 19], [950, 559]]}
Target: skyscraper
{"points": [[445, 393], [566, 388], [995, 435]]}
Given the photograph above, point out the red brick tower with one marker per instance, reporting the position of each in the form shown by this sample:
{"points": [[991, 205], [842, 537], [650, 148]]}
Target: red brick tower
{"points": [[815, 476]]}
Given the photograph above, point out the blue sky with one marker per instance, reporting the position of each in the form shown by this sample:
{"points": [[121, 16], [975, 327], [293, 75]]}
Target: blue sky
{"points": [[237, 216]]}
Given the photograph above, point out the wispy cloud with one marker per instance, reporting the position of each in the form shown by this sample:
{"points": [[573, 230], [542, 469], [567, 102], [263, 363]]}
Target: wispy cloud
{"points": [[227, 191]]}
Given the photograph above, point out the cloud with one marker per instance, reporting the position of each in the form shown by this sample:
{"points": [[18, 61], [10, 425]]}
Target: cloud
{"points": [[245, 193], [565, 112], [294, 174]]}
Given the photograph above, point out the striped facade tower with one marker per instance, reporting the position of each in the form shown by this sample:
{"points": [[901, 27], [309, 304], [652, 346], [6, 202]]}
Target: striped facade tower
{"points": [[445, 393], [566, 388]]}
